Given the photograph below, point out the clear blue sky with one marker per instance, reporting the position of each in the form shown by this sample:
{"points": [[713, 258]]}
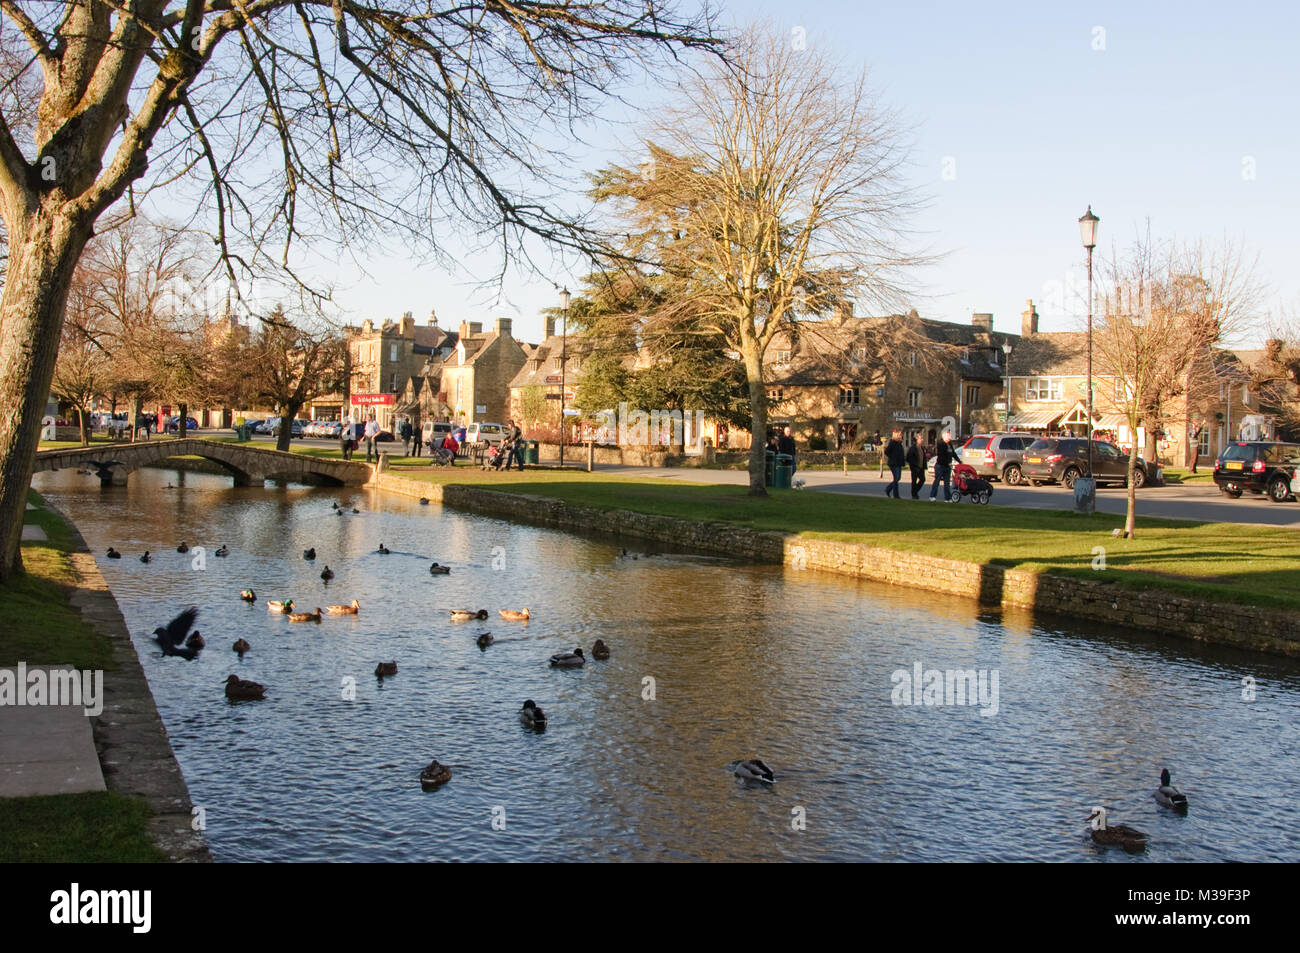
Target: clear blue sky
{"points": [[1032, 122]]}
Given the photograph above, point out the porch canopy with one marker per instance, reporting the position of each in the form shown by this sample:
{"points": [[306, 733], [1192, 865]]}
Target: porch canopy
{"points": [[1034, 419]]}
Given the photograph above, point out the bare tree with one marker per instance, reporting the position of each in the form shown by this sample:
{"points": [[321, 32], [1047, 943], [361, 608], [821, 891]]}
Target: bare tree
{"points": [[290, 363], [1165, 309], [84, 369], [305, 117], [770, 194]]}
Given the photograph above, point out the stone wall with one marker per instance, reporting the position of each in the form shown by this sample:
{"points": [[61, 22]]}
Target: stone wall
{"points": [[1268, 630]]}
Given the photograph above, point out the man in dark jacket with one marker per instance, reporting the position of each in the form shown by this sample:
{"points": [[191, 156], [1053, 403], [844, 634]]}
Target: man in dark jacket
{"points": [[894, 457], [916, 460], [785, 444], [515, 440], [404, 432], [945, 454]]}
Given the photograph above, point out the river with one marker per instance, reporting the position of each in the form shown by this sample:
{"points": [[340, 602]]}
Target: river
{"points": [[712, 661]]}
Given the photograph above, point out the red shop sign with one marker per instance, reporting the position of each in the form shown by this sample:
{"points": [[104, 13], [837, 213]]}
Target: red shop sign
{"points": [[371, 400]]}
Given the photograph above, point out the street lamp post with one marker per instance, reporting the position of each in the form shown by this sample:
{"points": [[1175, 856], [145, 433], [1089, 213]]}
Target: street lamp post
{"points": [[1087, 500], [1006, 349], [564, 344]]}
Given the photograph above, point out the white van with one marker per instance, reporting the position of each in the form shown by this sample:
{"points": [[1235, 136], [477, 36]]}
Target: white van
{"points": [[485, 434], [435, 431]]}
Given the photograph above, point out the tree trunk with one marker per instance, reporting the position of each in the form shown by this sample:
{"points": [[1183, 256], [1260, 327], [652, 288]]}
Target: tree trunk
{"points": [[758, 426], [286, 425], [1131, 513], [43, 252], [184, 410], [137, 406], [82, 420]]}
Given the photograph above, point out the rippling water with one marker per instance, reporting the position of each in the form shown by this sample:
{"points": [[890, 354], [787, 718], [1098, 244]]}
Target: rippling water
{"points": [[792, 667]]}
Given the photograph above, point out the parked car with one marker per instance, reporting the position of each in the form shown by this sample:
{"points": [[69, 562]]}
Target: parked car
{"points": [[1260, 466], [173, 424], [1065, 459], [997, 455], [485, 434], [295, 429], [331, 428], [435, 430]]}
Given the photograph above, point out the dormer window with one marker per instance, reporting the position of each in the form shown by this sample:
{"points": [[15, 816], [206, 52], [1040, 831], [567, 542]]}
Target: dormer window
{"points": [[783, 357], [859, 354]]}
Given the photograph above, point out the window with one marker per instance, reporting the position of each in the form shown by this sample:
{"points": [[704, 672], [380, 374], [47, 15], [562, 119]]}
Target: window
{"points": [[1043, 388], [914, 397], [1203, 443], [783, 357], [972, 395], [392, 352], [911, 358], [859, 354], [995, 355], [1245, 393], [392, 384], [848, 396], [776, 394]]}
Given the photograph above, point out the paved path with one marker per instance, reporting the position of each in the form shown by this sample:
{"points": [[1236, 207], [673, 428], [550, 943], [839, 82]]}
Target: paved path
{"points": [[1195, 502], [46, 749]]}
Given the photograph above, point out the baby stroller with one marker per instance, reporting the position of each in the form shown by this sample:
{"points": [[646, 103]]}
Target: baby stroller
{"points": [[441, 457], [965, 481], [495, 457]]}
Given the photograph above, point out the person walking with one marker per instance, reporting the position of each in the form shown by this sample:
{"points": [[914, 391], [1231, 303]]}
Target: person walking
{"points": [[944, 455], [417, 438], [405, 432], [916, 460], [346, 436], [372, 431], [516, 438], [785, 444], [895, 457]]}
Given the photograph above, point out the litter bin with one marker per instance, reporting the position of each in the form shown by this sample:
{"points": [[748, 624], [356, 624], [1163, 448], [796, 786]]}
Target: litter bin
{"points": [[783, 476], [768, 475], [530, 452], [242, 433]]}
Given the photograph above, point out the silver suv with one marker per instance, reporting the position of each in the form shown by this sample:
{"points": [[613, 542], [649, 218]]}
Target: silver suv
{"points": [[997, 455]]}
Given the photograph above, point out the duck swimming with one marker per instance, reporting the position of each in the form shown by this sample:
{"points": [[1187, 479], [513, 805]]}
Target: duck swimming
{"points": [[275, 606], [248, 595], [223, 551], [754, 770], [424, 501], [1169, 796], [434, 775], [241, 646], [572, 659], [183, 548], [532, 716], [309, 553], [327, 574], [237, 689], [385, 669], [464, 615], [437, 570], [305, 616], [383, 550], [146, 557], [484, 640], [600, 650], [352, 609], [113, 553], [195, 641], [1132, 840], [510, 615]]}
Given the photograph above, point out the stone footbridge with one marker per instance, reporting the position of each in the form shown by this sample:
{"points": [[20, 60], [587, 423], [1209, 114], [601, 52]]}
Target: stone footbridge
{"points": [[249, 465]]}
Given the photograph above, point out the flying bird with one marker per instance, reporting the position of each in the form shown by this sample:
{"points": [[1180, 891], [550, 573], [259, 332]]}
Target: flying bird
{"points": [[171, 638]]}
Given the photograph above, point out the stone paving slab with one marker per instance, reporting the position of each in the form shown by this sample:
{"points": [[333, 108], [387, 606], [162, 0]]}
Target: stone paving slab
{"points": [[47, 749]]}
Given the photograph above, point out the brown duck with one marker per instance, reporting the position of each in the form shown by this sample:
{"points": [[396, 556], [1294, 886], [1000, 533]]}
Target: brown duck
{"points": [[305, 616], [237, 689]]}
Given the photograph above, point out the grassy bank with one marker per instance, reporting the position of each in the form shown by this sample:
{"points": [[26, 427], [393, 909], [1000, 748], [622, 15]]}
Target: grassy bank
{"points": [[42, 627], [1254, 565]]}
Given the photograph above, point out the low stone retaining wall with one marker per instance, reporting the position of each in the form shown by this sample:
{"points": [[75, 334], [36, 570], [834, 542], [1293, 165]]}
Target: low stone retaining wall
{"points": [[1267, 630], [134, 751]]}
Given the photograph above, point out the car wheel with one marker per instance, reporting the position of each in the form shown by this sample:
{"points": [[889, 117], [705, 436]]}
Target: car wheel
{"points": [[1139, 478], [1069, 476], [1012, 476], [1278, 491]]}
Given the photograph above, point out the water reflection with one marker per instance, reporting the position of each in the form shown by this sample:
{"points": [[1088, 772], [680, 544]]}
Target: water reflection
{"points": [[747, 662]]}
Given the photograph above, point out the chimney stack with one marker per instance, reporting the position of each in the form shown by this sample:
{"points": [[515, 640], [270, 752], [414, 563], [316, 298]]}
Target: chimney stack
{"points": [[464, 329], [433, 318], [550, 326], [408, 324], [504, 327], [476, 327], [1029, 320], [982, 322]]}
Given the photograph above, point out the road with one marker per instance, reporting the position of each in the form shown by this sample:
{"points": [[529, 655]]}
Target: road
{"points": [[1198, 502]]}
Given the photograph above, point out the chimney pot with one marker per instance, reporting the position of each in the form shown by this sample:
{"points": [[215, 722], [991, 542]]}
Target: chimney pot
{"points": [[1029, 320]]}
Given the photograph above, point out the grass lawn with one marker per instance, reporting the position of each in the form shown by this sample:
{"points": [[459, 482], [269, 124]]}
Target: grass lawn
{"points": [[99, 827], [41, 627], [1203, 476], [95, 440], [1256, 565]]}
